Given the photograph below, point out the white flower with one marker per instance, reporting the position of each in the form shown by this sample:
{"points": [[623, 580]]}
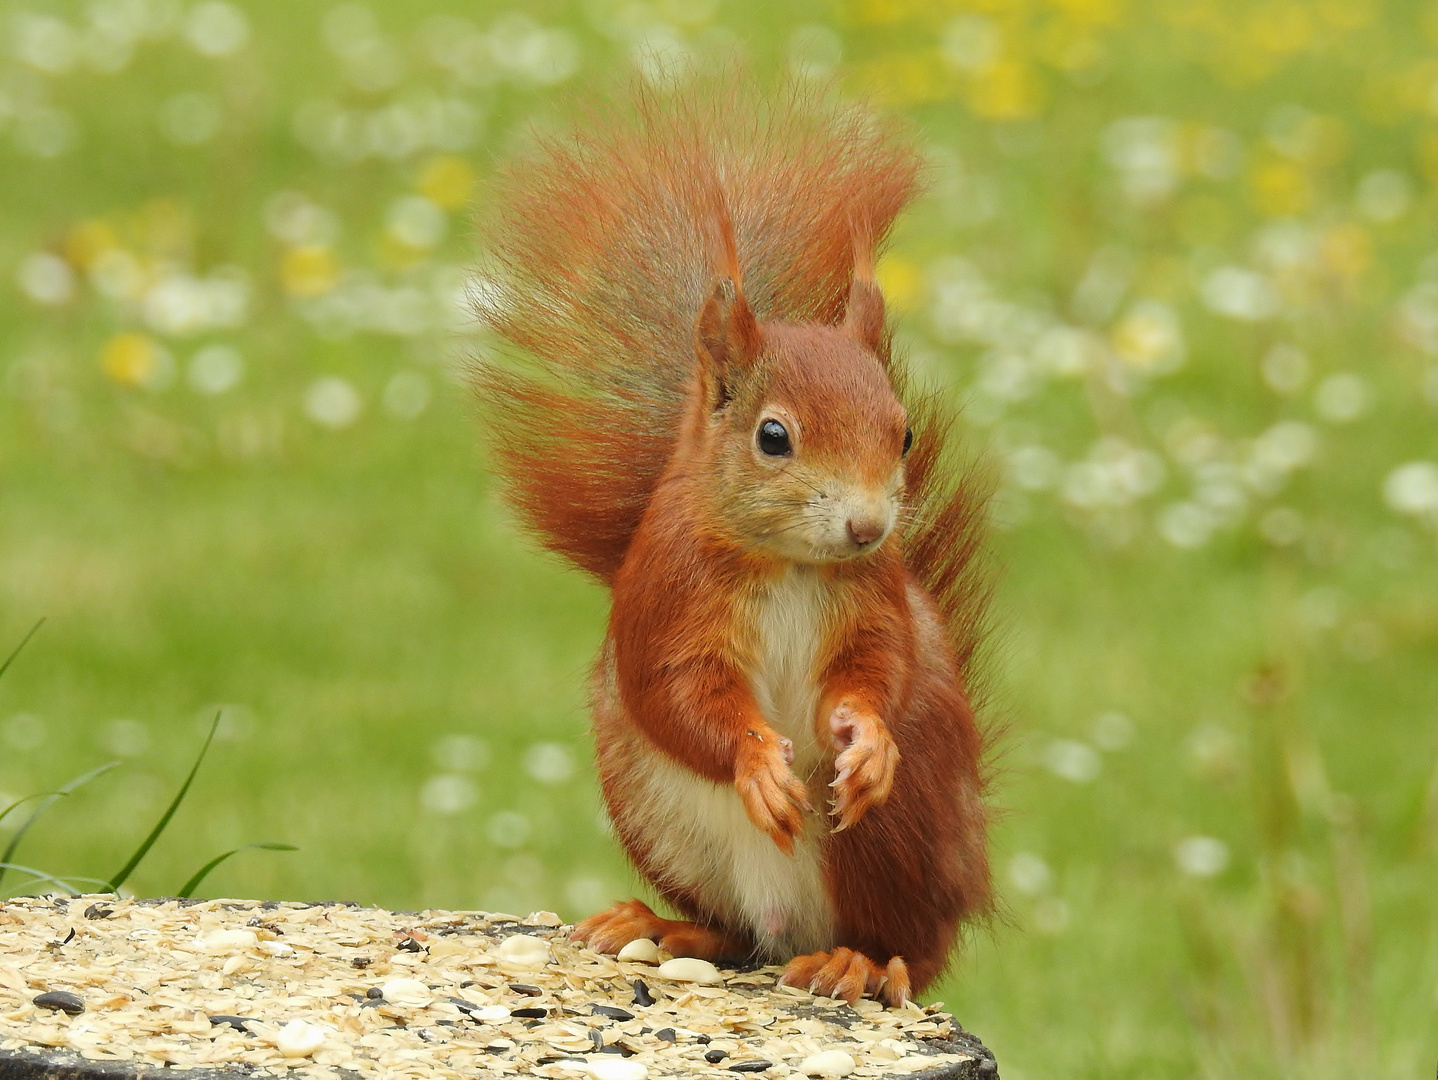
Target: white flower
{"points": [[216, 369], [46, 278], [1030, 873], [1074, 761], [1144, 151], [333, 402], [415, 221], [1201, 856], [549, 763], [1384, 195], [448, 794], [1342, 398], [216, 28], [1413, 488], [970, 42], [1186, 525], [1240, 293]]}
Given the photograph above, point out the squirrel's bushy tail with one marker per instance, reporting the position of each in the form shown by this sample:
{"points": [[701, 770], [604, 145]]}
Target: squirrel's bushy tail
{"points": [[605, 246]]}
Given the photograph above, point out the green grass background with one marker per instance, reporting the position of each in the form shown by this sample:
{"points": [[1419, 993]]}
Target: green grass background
{"points": [[355, 598]]}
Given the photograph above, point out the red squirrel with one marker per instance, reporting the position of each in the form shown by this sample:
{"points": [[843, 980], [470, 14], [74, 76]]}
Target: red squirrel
{"points": [[700, 406]]}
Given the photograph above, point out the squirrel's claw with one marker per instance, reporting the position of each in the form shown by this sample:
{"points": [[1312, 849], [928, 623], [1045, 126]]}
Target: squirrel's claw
{"points": [[864, 769], [773, 797], [850, 975]]}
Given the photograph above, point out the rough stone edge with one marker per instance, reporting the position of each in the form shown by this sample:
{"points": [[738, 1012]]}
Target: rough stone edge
{"points": [[67, 1065]]}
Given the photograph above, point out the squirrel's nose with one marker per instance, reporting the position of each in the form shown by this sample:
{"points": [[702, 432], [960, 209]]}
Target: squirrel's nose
{"points": [[865, 530]]}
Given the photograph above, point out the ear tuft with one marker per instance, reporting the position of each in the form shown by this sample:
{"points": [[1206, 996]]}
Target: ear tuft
{"points": [[864, 315], [726, 337]]}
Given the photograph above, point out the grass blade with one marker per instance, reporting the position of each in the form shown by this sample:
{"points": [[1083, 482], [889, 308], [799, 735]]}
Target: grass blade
{"points": [[23, 642], [45, 804], [124, 872], [40, 875], [21, 802], [187, 890]]}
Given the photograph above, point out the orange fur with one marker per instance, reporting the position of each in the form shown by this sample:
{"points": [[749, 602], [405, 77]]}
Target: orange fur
{"points": [[611, 930], [788, 625]]}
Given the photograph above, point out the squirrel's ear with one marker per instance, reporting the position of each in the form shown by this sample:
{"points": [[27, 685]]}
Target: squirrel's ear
{"points": [[864, 314], [726, 338]]}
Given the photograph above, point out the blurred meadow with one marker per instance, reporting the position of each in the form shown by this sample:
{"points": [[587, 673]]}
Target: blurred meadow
{"points": [[1178, 260]]}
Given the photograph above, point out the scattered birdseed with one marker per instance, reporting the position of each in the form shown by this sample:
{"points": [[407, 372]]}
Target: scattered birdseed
{"points": [[179, 984], [62, 1000], [640, 951], [237, 1022], [299, 1039], [613, 1013], [409, 993], [617, 1069], [828, 1063], [524, 951], [688, 969]]}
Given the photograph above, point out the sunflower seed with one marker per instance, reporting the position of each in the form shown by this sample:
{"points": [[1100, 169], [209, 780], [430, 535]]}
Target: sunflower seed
{"points": [[61, 1001]]}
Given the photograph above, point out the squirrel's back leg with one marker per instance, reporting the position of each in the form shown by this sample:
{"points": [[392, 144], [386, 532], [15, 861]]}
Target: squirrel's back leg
{"points": [[849, 975], [629, 920], [911, 871]]}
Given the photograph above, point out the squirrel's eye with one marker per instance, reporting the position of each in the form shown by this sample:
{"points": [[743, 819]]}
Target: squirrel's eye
{"points": [[908, 440], [773, 439]]}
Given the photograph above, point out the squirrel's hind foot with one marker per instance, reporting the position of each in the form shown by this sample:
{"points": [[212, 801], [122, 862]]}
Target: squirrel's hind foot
{"points": [[629, 920], [850, 975]]}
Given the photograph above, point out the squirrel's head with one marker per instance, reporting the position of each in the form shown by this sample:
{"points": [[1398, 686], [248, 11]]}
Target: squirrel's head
{"points": [[807, 436]]}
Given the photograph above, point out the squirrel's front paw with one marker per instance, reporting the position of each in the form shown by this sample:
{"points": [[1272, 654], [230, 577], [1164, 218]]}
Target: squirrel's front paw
{"points": [[864, 769], [773, 797]]}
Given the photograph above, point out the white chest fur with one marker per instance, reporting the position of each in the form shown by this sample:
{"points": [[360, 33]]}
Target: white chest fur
{"points": [[790, 618]]}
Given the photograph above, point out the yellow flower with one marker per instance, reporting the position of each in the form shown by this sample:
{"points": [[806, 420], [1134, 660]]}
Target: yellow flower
{"points": [[308, 271], [1280, 188], [447, 181], [1347, 250], [910, 78], [1092, 12], [130, 358], [899, 280], [1282, 28], [1149, 338], [1006, 90], [88, 240]]}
